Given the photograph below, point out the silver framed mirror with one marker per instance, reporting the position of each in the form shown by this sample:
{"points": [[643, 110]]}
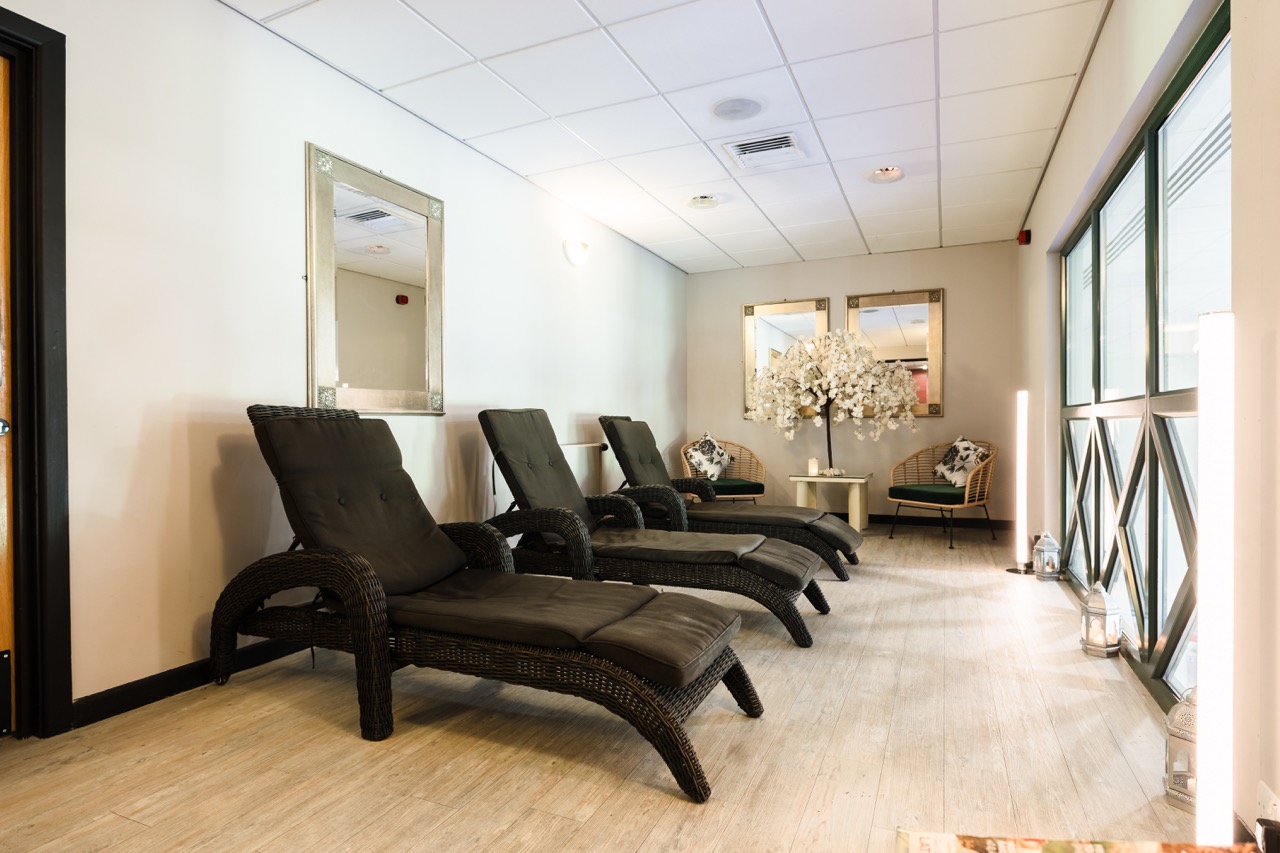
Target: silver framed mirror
{"points": [[905, 328], [769, 328], [375, 284]]}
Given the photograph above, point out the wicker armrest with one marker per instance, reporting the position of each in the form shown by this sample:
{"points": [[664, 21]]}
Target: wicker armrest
{"points": [[666, 497], [699, 486], [484, 545], [561, 522], [623, 509], [345, 575]]}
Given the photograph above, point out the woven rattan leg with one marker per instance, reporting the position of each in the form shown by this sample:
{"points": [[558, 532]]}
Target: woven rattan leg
{"points": [[814, 593], [743, 691]]}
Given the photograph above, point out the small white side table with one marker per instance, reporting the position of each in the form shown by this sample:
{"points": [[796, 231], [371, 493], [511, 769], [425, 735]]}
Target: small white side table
{"points": [[807, 494]]}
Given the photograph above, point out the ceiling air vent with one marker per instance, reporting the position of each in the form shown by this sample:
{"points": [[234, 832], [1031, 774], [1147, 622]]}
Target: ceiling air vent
{"points": [[765, 151], [377, 219]]}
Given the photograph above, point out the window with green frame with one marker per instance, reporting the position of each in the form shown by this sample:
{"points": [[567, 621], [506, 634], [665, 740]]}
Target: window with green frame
{"points": [[1152, 255]]}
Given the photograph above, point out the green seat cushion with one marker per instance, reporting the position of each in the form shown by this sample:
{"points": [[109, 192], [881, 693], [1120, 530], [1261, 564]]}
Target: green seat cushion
{"points": [[932, 493], [730, 486]]}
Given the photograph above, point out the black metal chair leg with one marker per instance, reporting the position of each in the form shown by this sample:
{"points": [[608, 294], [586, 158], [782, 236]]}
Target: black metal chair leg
{"points": [[990, 526], [894, 526], [951, 543]]}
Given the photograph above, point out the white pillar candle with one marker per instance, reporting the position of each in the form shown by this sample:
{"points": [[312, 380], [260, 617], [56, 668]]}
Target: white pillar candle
{"points": [[813, 466]]}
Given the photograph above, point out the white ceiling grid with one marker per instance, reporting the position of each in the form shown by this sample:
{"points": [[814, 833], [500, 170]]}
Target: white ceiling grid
{"points": [[607, 104]]}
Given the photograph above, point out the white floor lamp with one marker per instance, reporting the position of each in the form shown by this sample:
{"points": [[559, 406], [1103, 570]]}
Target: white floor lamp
{"points": [[1021, 556]]}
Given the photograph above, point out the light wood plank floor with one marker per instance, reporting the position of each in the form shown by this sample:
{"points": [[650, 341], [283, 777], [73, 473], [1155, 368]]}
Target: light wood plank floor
{"points": [[942, 693]]}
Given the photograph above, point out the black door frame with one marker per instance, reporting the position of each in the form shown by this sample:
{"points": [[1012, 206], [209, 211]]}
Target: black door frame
{"points": [[41, 564]]}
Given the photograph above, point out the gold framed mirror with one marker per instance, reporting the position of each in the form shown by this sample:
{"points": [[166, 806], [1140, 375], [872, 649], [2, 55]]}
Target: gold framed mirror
{"points": [[905, 328], [375, 283], [769, 328]]}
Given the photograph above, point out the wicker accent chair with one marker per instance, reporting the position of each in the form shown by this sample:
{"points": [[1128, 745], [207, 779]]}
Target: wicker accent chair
{"points": [[743, 478], [769, 571], [642, 464], [912, 483], [446, 596]]}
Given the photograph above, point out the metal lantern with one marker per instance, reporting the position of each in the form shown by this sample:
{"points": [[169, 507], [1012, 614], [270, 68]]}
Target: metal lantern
{"points": [[1045, 558], [1180, 753], [1099, 623]]}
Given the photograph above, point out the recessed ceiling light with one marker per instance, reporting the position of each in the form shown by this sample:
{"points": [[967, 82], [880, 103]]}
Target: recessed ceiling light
{"points": [[736, 109], [886, 175], [703, 202], [378, 250]]}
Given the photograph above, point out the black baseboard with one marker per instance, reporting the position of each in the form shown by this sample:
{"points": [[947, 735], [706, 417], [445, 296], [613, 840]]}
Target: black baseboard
{"points": [[153, 688], [936, 521]]}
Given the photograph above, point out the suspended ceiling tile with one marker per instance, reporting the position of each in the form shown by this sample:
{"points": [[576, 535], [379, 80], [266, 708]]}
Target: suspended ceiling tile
{"points": [[808, 29], [1040, 46], [765, 257], [590, 180], [552, 75], [969, 215], [904, 242], [728, 192], [822, 232], [699, 42], [998, 154], [625, 207], [990, 233], [713, 263], [920, 164], [728, 219], [665, 230], [900, 222], [534, 148], [744, 241], [999, 112], [612, 11], [774, 90], [816, 181], [977, 189], [955, 15], [836, 249], [489, 27], [806, 212], [893, 129], [679, 250], [890, 198], [260, 9], [466, 101], [687, 164], [856, 82], [380, 43], [630, 128]]}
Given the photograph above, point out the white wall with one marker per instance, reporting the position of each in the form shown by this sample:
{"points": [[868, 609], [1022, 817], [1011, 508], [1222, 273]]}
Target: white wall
{"points": [[186, 302], [978, 345], [381, 343]]}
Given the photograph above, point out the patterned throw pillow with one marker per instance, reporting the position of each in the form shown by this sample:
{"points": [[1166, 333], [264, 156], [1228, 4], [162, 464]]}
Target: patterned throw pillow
{"points": [[708, 457], [961, 458]]}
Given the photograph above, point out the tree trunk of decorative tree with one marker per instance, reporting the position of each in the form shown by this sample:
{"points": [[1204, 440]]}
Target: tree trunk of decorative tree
{"points": [[826, 419]]}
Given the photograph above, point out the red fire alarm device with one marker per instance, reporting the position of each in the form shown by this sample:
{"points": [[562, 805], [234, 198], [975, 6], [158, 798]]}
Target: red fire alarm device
{"points": [[401, 299], [1024, 237]]}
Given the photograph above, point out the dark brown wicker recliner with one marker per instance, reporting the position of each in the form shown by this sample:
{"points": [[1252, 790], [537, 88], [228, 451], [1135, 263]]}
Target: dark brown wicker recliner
{"points": [[398, 589], [642, 465], [769, 571]]}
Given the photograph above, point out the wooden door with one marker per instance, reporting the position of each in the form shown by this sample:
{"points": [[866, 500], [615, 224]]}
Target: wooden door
{"points": [[6, 402]]}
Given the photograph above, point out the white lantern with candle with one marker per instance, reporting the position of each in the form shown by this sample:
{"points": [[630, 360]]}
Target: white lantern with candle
{"points": [[813, 466], [1099, 623]]}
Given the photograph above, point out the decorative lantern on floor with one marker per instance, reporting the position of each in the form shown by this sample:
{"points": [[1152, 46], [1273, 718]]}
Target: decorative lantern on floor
{"points": [[1099, 623], [1045, 558], [1180, 753]]}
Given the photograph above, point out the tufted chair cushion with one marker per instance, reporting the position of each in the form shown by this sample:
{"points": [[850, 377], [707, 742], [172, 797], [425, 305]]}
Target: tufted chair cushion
{"points": [[524, 446], [343, 486], [637, 453]]}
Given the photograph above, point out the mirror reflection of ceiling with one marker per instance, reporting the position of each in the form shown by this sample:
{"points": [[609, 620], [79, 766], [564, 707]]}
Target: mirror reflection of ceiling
{"points": [[895, 326], [791, 325], [375, 237], [608, 104]]}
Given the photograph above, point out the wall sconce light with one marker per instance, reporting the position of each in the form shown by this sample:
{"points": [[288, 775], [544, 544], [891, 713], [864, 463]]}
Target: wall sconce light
{"points": [[577, 251], [1099, 623]]}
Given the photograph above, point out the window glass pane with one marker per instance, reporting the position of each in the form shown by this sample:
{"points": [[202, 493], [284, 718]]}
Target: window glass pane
{"points": [[1173, 559], [1122, 436], [1136, 525], [1185, 433], [1120, 592], [1124, 287], [1195, 198], [1075, 558], [1181, 675], [1079, 441], [1080, 322]]}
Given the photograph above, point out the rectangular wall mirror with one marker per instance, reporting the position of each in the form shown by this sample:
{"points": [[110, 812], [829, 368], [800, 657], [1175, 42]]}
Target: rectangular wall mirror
{"points": [[768, 328], [375, 281], [905, 328]]}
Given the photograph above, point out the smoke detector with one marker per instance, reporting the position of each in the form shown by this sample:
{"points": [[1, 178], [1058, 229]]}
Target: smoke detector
{"points": [[703, 202]]}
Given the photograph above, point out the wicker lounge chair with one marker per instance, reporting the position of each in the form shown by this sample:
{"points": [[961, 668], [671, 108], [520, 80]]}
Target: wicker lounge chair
{"points": [[637, 453], [769, 571], [742, 479], [398, 589], [913, 483]]}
